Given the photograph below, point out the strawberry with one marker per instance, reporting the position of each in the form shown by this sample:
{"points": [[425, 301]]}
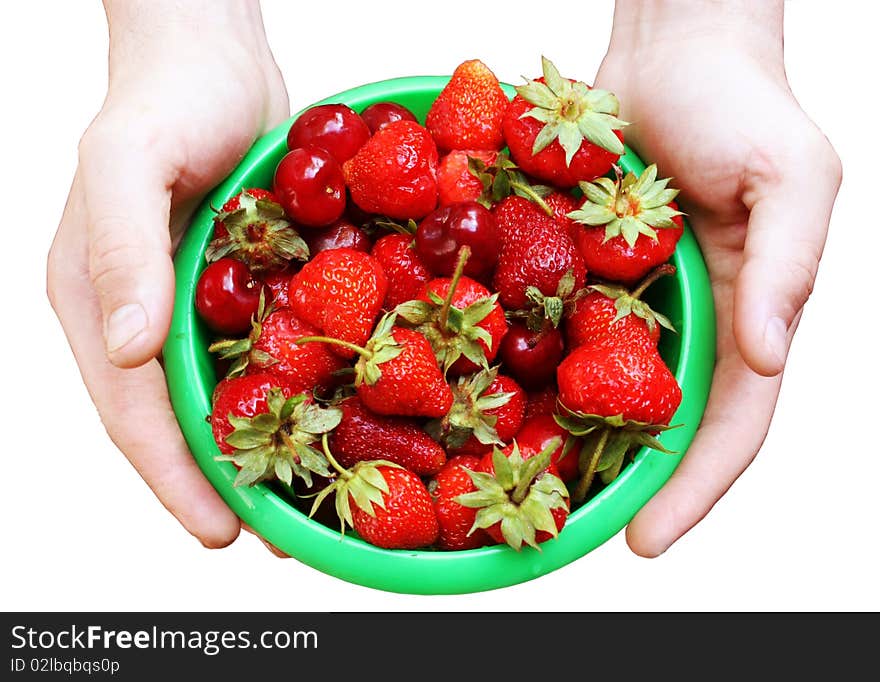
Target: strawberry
{"points": [[628, 226], [460, 318], [501, 178], [520, 497], [267, 429], [386, 504], [619, 395], [253, 228], [488, 410], [340, 291], [395, 172], [536, 252], [407, 275], [612, 314], [397, 372], [362, 434], [468, 111], [271, 347], [560, 205], [561, 131], [454, 519], [455, 180], [536, 433]]}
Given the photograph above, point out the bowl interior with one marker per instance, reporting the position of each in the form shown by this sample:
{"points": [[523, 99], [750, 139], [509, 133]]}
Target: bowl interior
{"points": [[685, 298]]}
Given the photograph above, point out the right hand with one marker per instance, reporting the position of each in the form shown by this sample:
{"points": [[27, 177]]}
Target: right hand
{"points": [[191, 86]]}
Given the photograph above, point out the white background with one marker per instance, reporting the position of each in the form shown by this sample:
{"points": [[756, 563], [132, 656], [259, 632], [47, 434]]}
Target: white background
{"points": [[798, 531]]}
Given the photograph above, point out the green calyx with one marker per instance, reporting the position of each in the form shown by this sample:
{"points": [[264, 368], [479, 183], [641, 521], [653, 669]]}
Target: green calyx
{"points": [[278, 443], [628, 302], [503, 178], [543, 309], [607, 440], [571, 113], [452, 332], [629, 206], [520, 495], [469, 413], [257, 225], [242, 351], [363, 483]]}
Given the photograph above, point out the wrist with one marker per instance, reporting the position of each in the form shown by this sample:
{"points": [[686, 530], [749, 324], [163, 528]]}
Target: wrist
{"points": [[745, 25]]}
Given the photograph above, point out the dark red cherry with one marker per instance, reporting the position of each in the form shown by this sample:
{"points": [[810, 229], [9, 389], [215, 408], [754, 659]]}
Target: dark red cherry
{"points": [[310, 186], [530, 357], [340, 235], [336, 128], [227, 296], [382, 113], [446, 229]]}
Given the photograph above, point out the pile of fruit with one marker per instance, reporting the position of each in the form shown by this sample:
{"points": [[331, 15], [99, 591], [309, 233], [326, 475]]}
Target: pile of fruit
{"points": [[440, 327]]}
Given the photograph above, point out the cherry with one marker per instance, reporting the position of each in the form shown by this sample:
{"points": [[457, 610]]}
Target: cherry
{"points": [[531, 357], [340, 235], [382, 113], [335, 128], [446, 229], [310, 186], [227, 296]]}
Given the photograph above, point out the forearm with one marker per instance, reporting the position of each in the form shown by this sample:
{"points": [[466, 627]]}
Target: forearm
{"points": [[643, 25]]}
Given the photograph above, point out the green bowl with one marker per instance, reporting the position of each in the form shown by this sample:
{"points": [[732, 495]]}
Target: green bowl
{"points": [[685, 298]]}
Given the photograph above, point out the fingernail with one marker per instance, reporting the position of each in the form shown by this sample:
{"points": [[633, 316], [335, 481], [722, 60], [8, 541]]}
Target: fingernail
{"points": [[775, 338], [124, 323]]}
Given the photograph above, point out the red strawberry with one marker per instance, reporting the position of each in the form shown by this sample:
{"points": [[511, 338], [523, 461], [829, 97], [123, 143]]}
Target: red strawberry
{"points": [[467, 113], [520, 497], [403, 267], [395, 173], [340, 292], [267, 429], [561, 131], [363, 435], [488, 410], [252, 227], [386, 504], [456, 520], [271, 347], [536, 434], [561, 204], [536, 252], [611, 314], [628, 227], [455, 180], [461, 318], [397, 373], [619, 395]]}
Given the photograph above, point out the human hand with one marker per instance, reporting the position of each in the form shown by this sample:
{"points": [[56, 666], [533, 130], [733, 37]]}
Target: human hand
{"points": [[191, 85], [704, 87]]}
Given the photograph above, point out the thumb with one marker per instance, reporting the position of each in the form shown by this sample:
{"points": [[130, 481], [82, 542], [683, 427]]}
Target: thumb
{"points": [[128, 199], [788, 225]]}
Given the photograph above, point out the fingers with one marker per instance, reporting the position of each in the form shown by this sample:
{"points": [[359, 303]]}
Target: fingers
{"points": [[133, 403], [733, 429], [790, 208], [127, 195]]}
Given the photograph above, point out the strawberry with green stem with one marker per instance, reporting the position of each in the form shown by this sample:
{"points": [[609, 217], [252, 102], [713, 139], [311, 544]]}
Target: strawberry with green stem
{"points": [[461, 319], [520, 499], [502, 178], [613, 314], [388, 505], [616, 397], [488, 410], [397, 372], [275, 439], [456, 521], [563, 131], [252, 227], [629, 225]]}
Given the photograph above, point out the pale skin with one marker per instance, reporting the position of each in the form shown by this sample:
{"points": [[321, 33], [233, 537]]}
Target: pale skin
{"points": [[739, 147]]}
